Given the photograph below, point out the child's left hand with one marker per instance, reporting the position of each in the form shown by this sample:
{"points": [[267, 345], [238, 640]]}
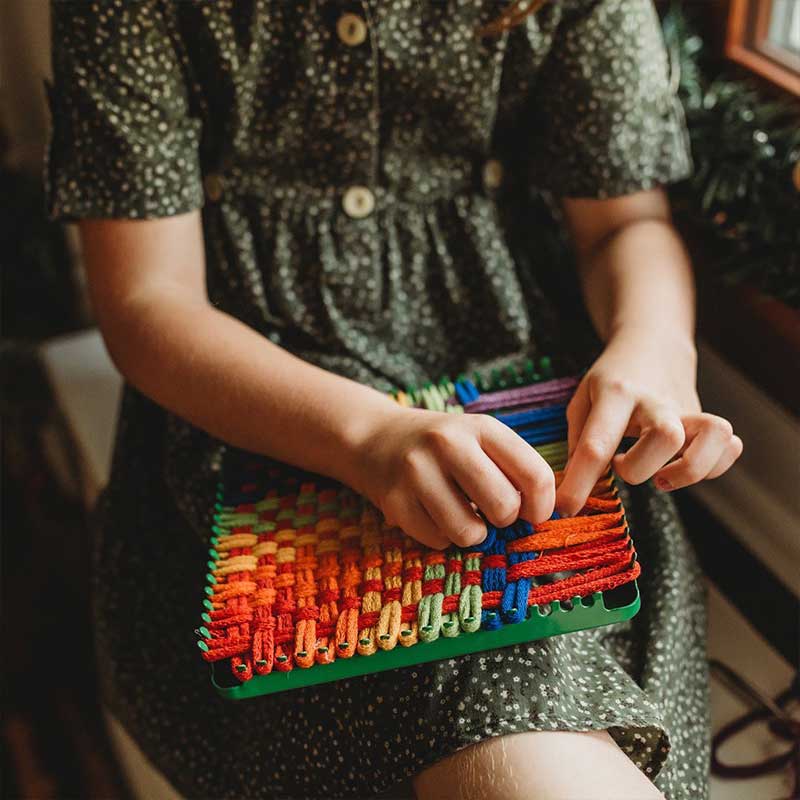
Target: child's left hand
{"points": [[644, 388]]}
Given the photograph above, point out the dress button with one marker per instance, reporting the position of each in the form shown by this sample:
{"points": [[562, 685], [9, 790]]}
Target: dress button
{"points": [[492, 174], [213, 185], [352, 29], [358, 202]]}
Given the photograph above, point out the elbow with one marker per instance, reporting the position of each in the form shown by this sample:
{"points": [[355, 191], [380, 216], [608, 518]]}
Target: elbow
{"points": [[121, 343], [127, 329]]}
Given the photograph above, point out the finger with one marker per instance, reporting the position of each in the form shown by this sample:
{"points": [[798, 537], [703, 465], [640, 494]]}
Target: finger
{"points": [[449, 509], [602, 433], [407, 513], [577, 413], [485, 483], [728, 458], [527, 471], [708, 437], [421, 527], [661, 436]]}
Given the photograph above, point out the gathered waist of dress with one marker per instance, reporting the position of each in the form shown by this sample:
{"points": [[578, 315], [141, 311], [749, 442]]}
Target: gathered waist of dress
{"points": [[358, 194]]}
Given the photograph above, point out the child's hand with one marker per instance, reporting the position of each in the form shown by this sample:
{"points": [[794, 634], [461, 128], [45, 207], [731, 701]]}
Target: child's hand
{"points": [[645, 389], [422, 469]]}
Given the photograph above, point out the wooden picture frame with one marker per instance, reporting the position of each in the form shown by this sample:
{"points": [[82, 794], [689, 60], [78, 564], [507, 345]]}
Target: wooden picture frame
{"points": [[748, 42]]}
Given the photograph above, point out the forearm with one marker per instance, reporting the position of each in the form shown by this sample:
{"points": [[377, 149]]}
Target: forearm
{"points": [[639, 281], [639, 290], [225, 378]]}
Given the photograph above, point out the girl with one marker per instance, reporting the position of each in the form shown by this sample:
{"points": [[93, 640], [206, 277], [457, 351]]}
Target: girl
{"points": [[287, 208]]}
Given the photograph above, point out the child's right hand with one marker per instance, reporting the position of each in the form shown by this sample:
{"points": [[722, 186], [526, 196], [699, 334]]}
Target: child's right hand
{"points": [[422, 469]]}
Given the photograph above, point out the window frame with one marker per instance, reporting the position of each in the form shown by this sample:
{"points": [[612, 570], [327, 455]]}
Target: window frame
{"points": [[748, 44]]}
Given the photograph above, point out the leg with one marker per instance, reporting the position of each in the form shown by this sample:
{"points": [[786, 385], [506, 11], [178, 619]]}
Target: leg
{"points": [[557, 765]]}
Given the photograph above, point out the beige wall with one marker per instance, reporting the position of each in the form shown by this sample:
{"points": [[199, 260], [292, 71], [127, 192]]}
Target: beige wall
{"points": [[24, 63]]}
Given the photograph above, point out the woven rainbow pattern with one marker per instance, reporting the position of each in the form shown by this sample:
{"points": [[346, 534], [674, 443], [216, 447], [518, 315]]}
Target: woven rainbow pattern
{"points": [[305, 574]]}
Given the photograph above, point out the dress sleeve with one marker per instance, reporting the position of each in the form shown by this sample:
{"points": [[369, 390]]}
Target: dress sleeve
{"points": [[610, 122], [123, 143]]}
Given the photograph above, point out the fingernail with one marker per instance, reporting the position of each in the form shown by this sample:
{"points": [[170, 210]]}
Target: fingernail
{"points": [[663, 484]]}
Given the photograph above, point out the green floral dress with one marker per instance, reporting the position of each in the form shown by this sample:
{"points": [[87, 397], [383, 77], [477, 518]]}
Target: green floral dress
{"points": [[364, 170]]}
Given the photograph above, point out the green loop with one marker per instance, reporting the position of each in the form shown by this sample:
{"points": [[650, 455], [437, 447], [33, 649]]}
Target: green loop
{"points": [[266, 526], [469, 606]]}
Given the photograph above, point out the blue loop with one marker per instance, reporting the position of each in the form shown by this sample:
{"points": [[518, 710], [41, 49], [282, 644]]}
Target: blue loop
{"points": [[514, 603], [466, 391], [533, 415], [493, 579]]}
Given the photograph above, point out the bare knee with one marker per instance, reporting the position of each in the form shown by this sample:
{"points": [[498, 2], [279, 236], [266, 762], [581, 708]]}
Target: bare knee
{"points": [[557, 765]]}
